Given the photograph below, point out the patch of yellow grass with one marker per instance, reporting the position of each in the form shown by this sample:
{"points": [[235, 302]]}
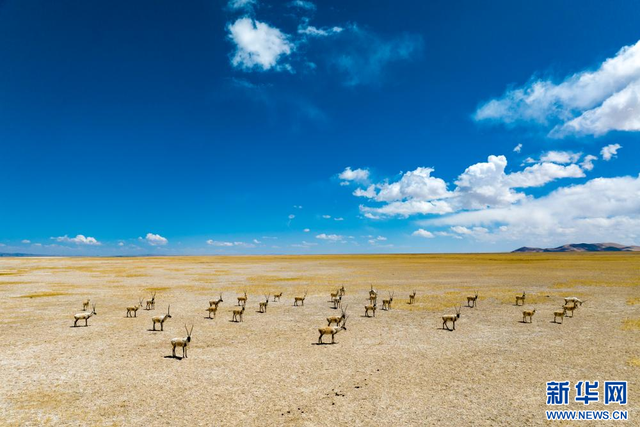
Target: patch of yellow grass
{"points": [[631, 325], [635, 362], [633, 300], [43, 295]]}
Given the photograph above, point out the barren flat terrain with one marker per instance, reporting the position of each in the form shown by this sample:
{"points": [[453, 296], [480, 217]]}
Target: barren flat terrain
{"points": [[399, 368]]}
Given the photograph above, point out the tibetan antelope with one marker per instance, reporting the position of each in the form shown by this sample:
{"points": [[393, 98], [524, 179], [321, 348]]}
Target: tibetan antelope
{"points": [[182, 342], [134, 309], [529, 314], [472, 300], [212, 309], [264, 304], [151, 303], [216, 302], [85, 304], [337, 301], [520, 298], [243, 299], [570, 308], [237, 314], [334, 295], [341, 291], [574, 300], [370, 307], [300, 300], [161, 319], [412, 298], [332, 330], [276, 297], [386, 303], [451, 318], [373, 294], [85, 315], [559, 314], [337, 319]]}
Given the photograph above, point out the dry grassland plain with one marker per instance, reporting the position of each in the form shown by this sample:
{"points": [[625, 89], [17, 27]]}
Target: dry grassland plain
{"points": [[399, 368]]}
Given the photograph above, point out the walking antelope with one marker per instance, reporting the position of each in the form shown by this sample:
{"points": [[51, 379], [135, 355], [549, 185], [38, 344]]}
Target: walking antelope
{"points": [[237, 314], [337, 301], [520, 298], [574, 300], [264, 304], [134, 309], [472, 300], [300, 300], [85, 315], [337, 319], [216, 302], [559, 314], [161, 319], [332, 330], [370, 307], [276, 297], [570, 308], [451, 318], [212, 309], [182, 342], [386, 303], [243, 300], [85, 304], [529, 314], [412, 298], [151, 303]]}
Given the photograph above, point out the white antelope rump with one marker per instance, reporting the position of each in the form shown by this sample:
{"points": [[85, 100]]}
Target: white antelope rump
{"points": [[85, 315], [332, 330], [161, 319], [370, 308], [451, 318], [216, 302], [151, 303], [529, 314], [237, 314], [134, 309], [574, 300], [559, 314], [570, 308], [337, 319], [337, 302], [412, 298], [243, 299], [373, 294], [264, 304], [386, 303], [300, 300], [472, 301], [520, 298], [276, 297], [182, 342], [85, 304]]}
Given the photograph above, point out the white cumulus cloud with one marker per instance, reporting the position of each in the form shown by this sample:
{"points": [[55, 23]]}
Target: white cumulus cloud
{"points": [[610, 151], [258, 45], [330, 237], [421, 232], [79, 240], [155, 239]]}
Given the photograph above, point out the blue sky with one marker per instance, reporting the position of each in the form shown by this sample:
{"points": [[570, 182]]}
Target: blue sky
{"points": [[217, 127]]}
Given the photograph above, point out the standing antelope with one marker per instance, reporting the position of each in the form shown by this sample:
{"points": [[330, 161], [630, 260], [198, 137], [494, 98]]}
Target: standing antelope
{"points": [[559, 314], [574, 300], [216, 302], [570, 308], [300, 300], [276, 297], [161, 319], [212, 309], [529, 314], [85, 315], [472, 301], [370, 307], [334, 295], [237, 314], [243, 300], [134, 309], [520, 298], [264, 304], [182, 342], [341, 291], [451, 318], [337, 301], [331, 330], [85, 304], [337, 319], [151, 303], [386, 303], [373, 294], [412, 298]]}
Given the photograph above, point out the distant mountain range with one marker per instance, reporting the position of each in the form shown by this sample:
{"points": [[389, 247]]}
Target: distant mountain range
{"points": [[584, 247], [16, 255]]}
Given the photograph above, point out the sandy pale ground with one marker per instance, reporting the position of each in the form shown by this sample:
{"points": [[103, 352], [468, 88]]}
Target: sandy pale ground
{"points": [[399, 368]]}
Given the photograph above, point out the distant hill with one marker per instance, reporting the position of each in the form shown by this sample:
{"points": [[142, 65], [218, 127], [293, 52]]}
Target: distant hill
{"points": [[584, 247], [16, 255]]}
